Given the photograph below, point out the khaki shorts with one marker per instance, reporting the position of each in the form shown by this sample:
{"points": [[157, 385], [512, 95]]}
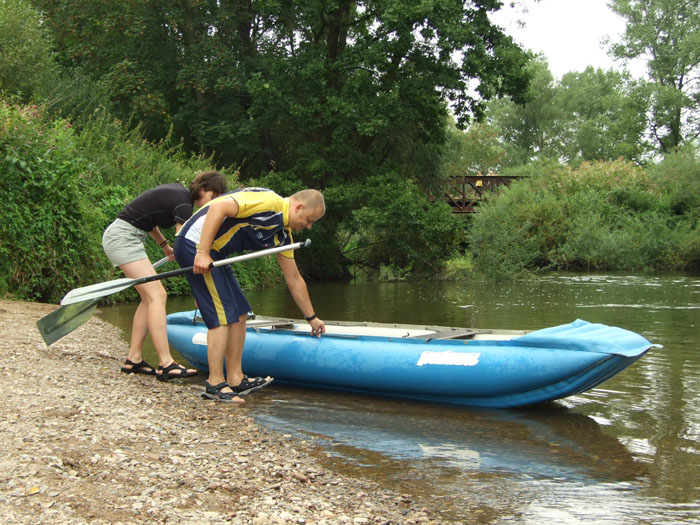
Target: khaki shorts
{"points": [[124, 243]]}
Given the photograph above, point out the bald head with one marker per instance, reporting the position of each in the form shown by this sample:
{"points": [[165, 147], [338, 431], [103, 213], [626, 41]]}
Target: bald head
{"points": [[312, 200], [305, 208]]}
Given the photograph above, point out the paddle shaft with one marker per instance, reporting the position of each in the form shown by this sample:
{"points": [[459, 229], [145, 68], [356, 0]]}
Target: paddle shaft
{"points": [[159, 263], [95, 291], [223, 262]]}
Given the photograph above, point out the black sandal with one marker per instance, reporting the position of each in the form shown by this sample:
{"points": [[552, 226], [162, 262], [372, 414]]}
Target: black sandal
{"points": [[166, 373], [138, 368], [214, 393], [250, 385]]}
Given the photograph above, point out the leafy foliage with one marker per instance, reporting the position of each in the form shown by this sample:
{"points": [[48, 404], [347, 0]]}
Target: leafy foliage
{"points": [[667, 33], [593, 115], [478, 149], [394, 225], [306, 94], [48, 228], [62, 191], [350, 97], [677, 177], [600, 216], [27, 66], [605, 116], [379, 223], [529, 129], [322, 90]]}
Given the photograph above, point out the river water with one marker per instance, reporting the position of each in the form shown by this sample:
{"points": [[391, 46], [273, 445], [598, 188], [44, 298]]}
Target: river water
{"points": [[625, 452]]}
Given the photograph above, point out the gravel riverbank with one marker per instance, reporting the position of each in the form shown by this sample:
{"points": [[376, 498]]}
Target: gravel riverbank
{"points": [[81, 442]]}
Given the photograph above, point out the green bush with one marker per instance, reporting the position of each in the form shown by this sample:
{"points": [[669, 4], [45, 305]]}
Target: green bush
{"points": [[459, 267], [677, 179], [383, 226], [64, 188], [396, 229], [599, 216], [49, 227], [76, 98]]}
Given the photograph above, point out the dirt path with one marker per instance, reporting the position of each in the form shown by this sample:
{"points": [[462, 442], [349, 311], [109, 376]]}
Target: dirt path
{"points": [[82, 443]]}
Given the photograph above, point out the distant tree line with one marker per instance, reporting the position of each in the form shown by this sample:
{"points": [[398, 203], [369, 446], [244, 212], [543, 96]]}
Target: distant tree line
{"points": [[603, 115]]}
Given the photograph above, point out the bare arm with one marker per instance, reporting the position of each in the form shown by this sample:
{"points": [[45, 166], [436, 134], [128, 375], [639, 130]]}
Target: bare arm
{"points": [[158, 236], [218, 211], [300, 293]]}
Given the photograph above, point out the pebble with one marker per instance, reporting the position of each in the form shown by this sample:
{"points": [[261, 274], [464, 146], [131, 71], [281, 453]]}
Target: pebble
{"points": [[83, 443]]}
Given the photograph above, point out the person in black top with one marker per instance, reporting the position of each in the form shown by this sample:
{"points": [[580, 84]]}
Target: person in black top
{"points": [[124, 242]]}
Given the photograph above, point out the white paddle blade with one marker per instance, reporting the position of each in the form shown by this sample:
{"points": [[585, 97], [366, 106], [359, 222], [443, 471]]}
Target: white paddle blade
{"points": [[64, 319], [95, 291]]}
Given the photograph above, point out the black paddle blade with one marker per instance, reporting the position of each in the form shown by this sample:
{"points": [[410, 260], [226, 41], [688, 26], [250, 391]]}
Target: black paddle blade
{"points": [[64, 319]]}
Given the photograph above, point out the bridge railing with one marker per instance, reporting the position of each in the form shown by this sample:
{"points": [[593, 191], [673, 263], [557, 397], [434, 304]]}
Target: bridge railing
{"points": [[463, 193]]}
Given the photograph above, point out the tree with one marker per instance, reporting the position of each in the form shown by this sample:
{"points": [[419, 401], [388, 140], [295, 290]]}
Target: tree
{"points": [[27, 64], [478, 149], [312, 93], [530, 130], [667, 34], [593, 115], [318, 89], [605, 114]]}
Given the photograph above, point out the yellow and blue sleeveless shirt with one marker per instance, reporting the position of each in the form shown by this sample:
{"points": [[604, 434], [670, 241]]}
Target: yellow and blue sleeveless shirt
{"points": [[262, 222]]}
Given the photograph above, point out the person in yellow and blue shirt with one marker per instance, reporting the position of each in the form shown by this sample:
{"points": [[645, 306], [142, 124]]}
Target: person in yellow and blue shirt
{"points": [[246, 219]]}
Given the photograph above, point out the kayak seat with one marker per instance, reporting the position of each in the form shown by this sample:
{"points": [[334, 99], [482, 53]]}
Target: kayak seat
{"points": [[277, 323], [449, 334]]}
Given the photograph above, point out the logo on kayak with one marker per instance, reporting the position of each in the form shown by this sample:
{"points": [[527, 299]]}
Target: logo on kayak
{"points": [[200, 338], [449, 358]]}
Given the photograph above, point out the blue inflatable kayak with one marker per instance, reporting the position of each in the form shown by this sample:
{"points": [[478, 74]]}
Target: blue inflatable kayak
{"points": [[489, 368]]}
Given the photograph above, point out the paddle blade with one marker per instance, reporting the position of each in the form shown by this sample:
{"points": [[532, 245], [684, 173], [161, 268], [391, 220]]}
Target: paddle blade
{"points": [[95, 291], [64, 319]]}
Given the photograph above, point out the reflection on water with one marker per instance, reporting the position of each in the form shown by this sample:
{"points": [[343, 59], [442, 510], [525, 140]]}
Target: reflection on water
{"points": [[626, 452], [534, 443], [545, 464]]}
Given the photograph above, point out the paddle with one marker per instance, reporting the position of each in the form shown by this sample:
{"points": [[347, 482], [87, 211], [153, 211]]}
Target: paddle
{"points": [[95, 291], [64, 319]]}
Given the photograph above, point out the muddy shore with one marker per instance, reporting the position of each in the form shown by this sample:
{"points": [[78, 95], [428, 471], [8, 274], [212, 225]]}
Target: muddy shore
{"points": [[81, 442]]}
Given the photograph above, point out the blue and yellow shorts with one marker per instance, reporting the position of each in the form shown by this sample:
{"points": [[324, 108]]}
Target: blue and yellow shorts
{"points": [[219, 296]]}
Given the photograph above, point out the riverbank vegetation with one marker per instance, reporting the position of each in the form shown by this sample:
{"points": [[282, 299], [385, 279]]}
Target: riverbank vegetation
{"points": [[596, 217], [63, 188], [101, 101]]}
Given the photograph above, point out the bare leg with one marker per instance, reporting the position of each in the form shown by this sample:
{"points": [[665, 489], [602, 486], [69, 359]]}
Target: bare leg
{"points": [[217, 341], [216, 346], [150, 314], [139, 329], [234, 351]]}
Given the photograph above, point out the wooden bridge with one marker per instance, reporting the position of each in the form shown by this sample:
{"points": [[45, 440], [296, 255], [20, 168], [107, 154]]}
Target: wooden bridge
{"points": [[465, 192]]}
